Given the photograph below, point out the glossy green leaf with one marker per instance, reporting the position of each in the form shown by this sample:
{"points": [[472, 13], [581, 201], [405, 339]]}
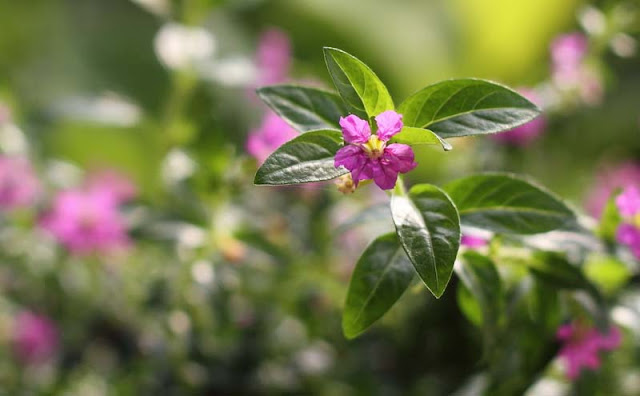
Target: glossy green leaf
{"points": [[305, 159], [382, 274], [505, 203], [306, 109], [357, 83], [480, 276], [464, 107], [416, 136], [428, 227]]}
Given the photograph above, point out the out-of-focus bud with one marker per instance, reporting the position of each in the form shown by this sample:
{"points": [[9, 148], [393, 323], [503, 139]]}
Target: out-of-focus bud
{"points": [[345, 184], [179, 47]]}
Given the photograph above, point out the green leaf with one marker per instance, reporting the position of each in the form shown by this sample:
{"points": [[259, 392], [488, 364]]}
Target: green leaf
{"points": [[469, 305], [428, 227], [358, 85], [479, 275], [555, 269], [502, 202], [465, 107], [305, 159], [416, 136], [610, 219], [305, 109], [382, 274], [609, 274]]}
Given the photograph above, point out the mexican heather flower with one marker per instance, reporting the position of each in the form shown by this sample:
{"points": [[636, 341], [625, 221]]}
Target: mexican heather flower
{"points": [[35, 337], [581, 346], [368, 156], [473, 242], [628, 232], [524, 134], [111, 182], [18, 183], [271, 134], [607, 181], [273, 58], [87, 221]]}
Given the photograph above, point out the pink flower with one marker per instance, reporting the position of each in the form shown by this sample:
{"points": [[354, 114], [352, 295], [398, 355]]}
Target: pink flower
{"points": [[473, 242], [524, 134], [273, 57], [607, 181], [582, 345], [367, 155], [35, 338], [272, 133], [111, 182], [18, 184], [568, 51], [628, 232], [87, 221]]}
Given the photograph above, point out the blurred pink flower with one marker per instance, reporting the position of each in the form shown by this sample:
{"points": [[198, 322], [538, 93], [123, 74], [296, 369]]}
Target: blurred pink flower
{"points": [[607, 181], [271, 134], [112, 182], [35, 338], [524, 134], [87, 221], [568, 51], [273, 58], [473, 242], [628, 233], [18, 183], [581, 346], [367, 155]]}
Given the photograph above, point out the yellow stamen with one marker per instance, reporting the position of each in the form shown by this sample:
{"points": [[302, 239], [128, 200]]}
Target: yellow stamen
{"points": [[374, 147]]}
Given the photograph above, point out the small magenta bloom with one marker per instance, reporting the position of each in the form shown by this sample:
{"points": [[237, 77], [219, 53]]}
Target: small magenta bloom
{"points": [[527, 133], [628, 232], [35, 338], [568, 51], [271, 134], [607, 181], [367, 155], [582, 345], [473, 242], [112, 182], [87, 221], [273, 57], [19, 186]]}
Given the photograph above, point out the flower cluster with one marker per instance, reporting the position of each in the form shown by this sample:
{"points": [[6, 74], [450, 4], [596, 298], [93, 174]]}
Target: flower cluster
{"points": [[35, 338], [368, 155], [581, 345], [628, 233]]}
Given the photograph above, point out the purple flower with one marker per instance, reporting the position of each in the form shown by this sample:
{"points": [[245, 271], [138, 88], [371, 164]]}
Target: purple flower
{"points": [[35, 338], [271, 134], [568, 51], [473, 242], [582, 345], [111, 182], [273, 57], [87, 221], [628, 202], [524, 134], [19, 186], [367, 155], [609, 179], [628, 232]]}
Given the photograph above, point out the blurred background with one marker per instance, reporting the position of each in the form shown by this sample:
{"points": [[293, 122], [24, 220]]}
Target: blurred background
{"points": [[138, 257]]}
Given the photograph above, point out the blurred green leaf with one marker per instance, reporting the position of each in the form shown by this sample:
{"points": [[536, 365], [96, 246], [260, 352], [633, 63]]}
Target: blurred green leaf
{"points": [[415, 136], [305, 159], [305, 108], [610, 219], [505, 203], [555, 269], [479, 275], [382, 274], [469, 305], [606, 272], [428, 227], [357, 83], [465, 107]]}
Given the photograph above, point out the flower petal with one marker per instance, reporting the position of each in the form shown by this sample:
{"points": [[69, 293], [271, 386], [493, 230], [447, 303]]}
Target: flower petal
{"points": [[351, 157], [355, 129], [389, 123], [629, 202], [384, 176], [399, 157]]}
